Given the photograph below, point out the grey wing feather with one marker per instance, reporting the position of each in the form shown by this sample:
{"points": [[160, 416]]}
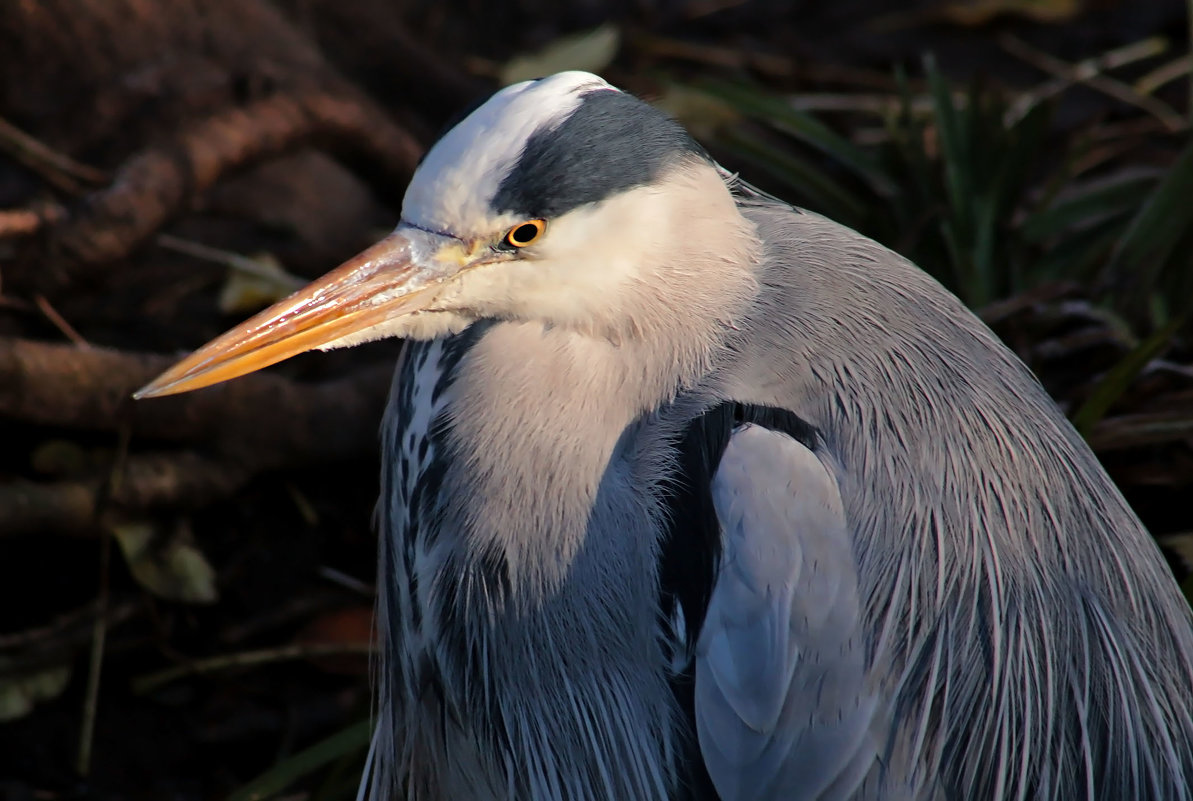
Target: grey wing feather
{"points": [[783, 710]]}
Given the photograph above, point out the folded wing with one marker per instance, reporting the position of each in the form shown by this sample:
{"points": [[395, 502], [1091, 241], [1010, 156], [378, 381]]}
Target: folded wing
{"points": [[783, 710]]}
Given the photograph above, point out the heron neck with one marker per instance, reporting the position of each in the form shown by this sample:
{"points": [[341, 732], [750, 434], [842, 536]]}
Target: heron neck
{"points": [[546, 418]]}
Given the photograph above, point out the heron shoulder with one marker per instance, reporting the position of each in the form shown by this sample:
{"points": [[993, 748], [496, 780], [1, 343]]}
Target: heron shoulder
{"points": [[969, 494]]}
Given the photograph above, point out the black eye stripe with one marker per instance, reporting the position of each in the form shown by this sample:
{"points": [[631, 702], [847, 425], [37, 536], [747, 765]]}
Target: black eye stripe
{"points": [[609, 143]]}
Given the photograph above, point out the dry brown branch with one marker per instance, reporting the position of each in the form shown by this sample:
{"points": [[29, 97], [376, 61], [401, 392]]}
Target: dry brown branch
{"points": [[99, 638], [158, 183], [715, 55], [19, 222], [1137, 430], [56, 168], [16, 223], [227, 258], [58, 321], [264, 418], [372, 43], [67, 630], [286, 653], [147, 482], [26, 507]]}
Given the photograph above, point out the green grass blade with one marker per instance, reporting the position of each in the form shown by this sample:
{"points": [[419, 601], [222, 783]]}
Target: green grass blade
{"points": [[286, 772], [1088, 207], [774, 110], [1080, 256], [1159, 225], [822, 192], [958, 180], [907, 138], [1119, 378]]}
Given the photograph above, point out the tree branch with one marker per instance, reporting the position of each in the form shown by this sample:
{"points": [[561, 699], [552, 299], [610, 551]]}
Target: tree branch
{"points": [[264, 419]]}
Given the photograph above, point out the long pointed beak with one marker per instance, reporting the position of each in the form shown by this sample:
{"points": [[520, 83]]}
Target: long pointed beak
{"points": [[398, 275]]}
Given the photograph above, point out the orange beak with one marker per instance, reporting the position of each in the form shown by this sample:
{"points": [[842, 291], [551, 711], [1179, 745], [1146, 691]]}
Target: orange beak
{"points": [[398, 275]]}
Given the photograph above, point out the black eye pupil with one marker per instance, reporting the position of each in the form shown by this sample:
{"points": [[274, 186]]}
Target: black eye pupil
{"points": [[524, 233]]}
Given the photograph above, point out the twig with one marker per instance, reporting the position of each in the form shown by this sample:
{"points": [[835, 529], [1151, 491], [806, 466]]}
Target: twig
{"points": [[60, 322], [869, 103], [95, 663], [1138, 430], [57, 168], [1136, 128], [705, 8], [1177, 68], [288, 653], [15, 223], [227, 258], [19, 222], [348, 582], [67, 626], [727, 57], [846, 75], [1089, 72], [300, 607]]}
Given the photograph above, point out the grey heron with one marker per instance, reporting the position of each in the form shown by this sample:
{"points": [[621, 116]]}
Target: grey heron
{"points": [[691, 494]]}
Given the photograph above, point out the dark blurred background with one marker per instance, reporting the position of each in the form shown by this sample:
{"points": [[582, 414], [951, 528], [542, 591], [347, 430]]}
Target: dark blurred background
{"points": [[186, 584]]}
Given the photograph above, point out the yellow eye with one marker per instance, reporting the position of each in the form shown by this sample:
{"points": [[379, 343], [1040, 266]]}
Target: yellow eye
{"points": [[526, 233]]}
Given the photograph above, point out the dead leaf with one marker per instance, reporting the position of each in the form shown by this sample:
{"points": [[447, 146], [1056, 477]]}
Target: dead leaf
{"points": [[20, 692], [341, 627], [590, 51], [171, 568], [699, 112], [247, 290]]}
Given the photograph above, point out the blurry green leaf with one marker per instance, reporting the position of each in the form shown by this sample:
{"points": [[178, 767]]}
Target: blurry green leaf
{"points": [[700, 112], [907, 135], [250, 289], [1013, 164], [1079, 255], [1087, 207], [823, 193], [1119, 378], [172, 569], [590, 51], [1175, 284], [1155, 230], [286, 772], [774, 110], [953, 154], [20, 692]]}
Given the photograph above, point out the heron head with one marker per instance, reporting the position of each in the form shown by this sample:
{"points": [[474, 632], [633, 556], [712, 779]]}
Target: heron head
{"points": [[561, 201]]}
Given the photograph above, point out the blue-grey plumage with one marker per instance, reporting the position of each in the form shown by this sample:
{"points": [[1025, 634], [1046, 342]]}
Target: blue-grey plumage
{"points": [[688, 494]]}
